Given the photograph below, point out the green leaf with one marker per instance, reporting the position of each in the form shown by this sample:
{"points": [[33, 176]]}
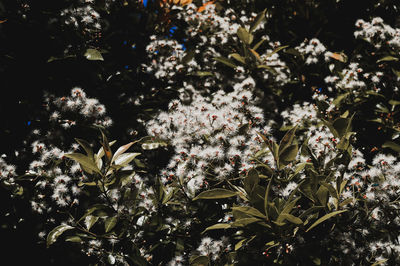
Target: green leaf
{"points": [[291, 218], [257, 45], [330, 188], [260, 17], [199, 261], [316, 261], [93, 209], [122, 149], [251, 180], [288, 155], [396, 72], [277, 50], [106, 147], [342, 186], [346, 201], [100, 153], [391, 145], [239, 244], [225, 61], [110, 223], [216, 193], [340, 98], [125, 158], [387, 59], [238, 57], [94, 55], [90, 220], [244, 35], [287, 140], [74, 239], [322, 195], [84, 161], [86, 146], [266, 198], [56, 232], [245, 221], [394, 102], [342, 125], [324, 218], [203, 73], [300, 167], [249, 211], [217, 226]]}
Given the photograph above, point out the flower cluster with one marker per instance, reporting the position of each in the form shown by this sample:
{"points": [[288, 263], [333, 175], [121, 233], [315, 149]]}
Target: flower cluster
{"points": [[378, 33], [67, 111], [312, 51], [213, 138], [83, 18]]}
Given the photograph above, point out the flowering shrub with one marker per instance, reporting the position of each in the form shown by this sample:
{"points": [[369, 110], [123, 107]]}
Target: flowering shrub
{"points": [[238, 169]]}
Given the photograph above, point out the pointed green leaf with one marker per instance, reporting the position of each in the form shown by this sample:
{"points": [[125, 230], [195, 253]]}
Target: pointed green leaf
{"points": [[122, 149], [245, 221], [346, 201], [324, 218], [342, 186], [330, 188], [277, 50], [244, 35], [93, 54], [249, 211], [56, 232], [260, 17], [110, 223], [74, 239], [217, 226], [251, 180], [342, 125], [287, 140], [125, 158], [90, 220], [291, 218], [387, 58], [84, 161], [225, 61], [239, 244], [216, 193], [288, 155], [392, 145], [322, 195], [257, 45], [86, 146], [266, 198], [204, 73], [238, 58], [106, 147], [340, 98]]}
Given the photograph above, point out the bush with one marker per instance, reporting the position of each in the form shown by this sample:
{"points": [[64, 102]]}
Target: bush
{"points": [[240, 140]]}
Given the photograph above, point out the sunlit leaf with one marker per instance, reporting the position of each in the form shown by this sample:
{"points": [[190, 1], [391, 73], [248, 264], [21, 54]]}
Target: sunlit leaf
{"points": [[110, 223], [56, 232], [93, 54]]}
